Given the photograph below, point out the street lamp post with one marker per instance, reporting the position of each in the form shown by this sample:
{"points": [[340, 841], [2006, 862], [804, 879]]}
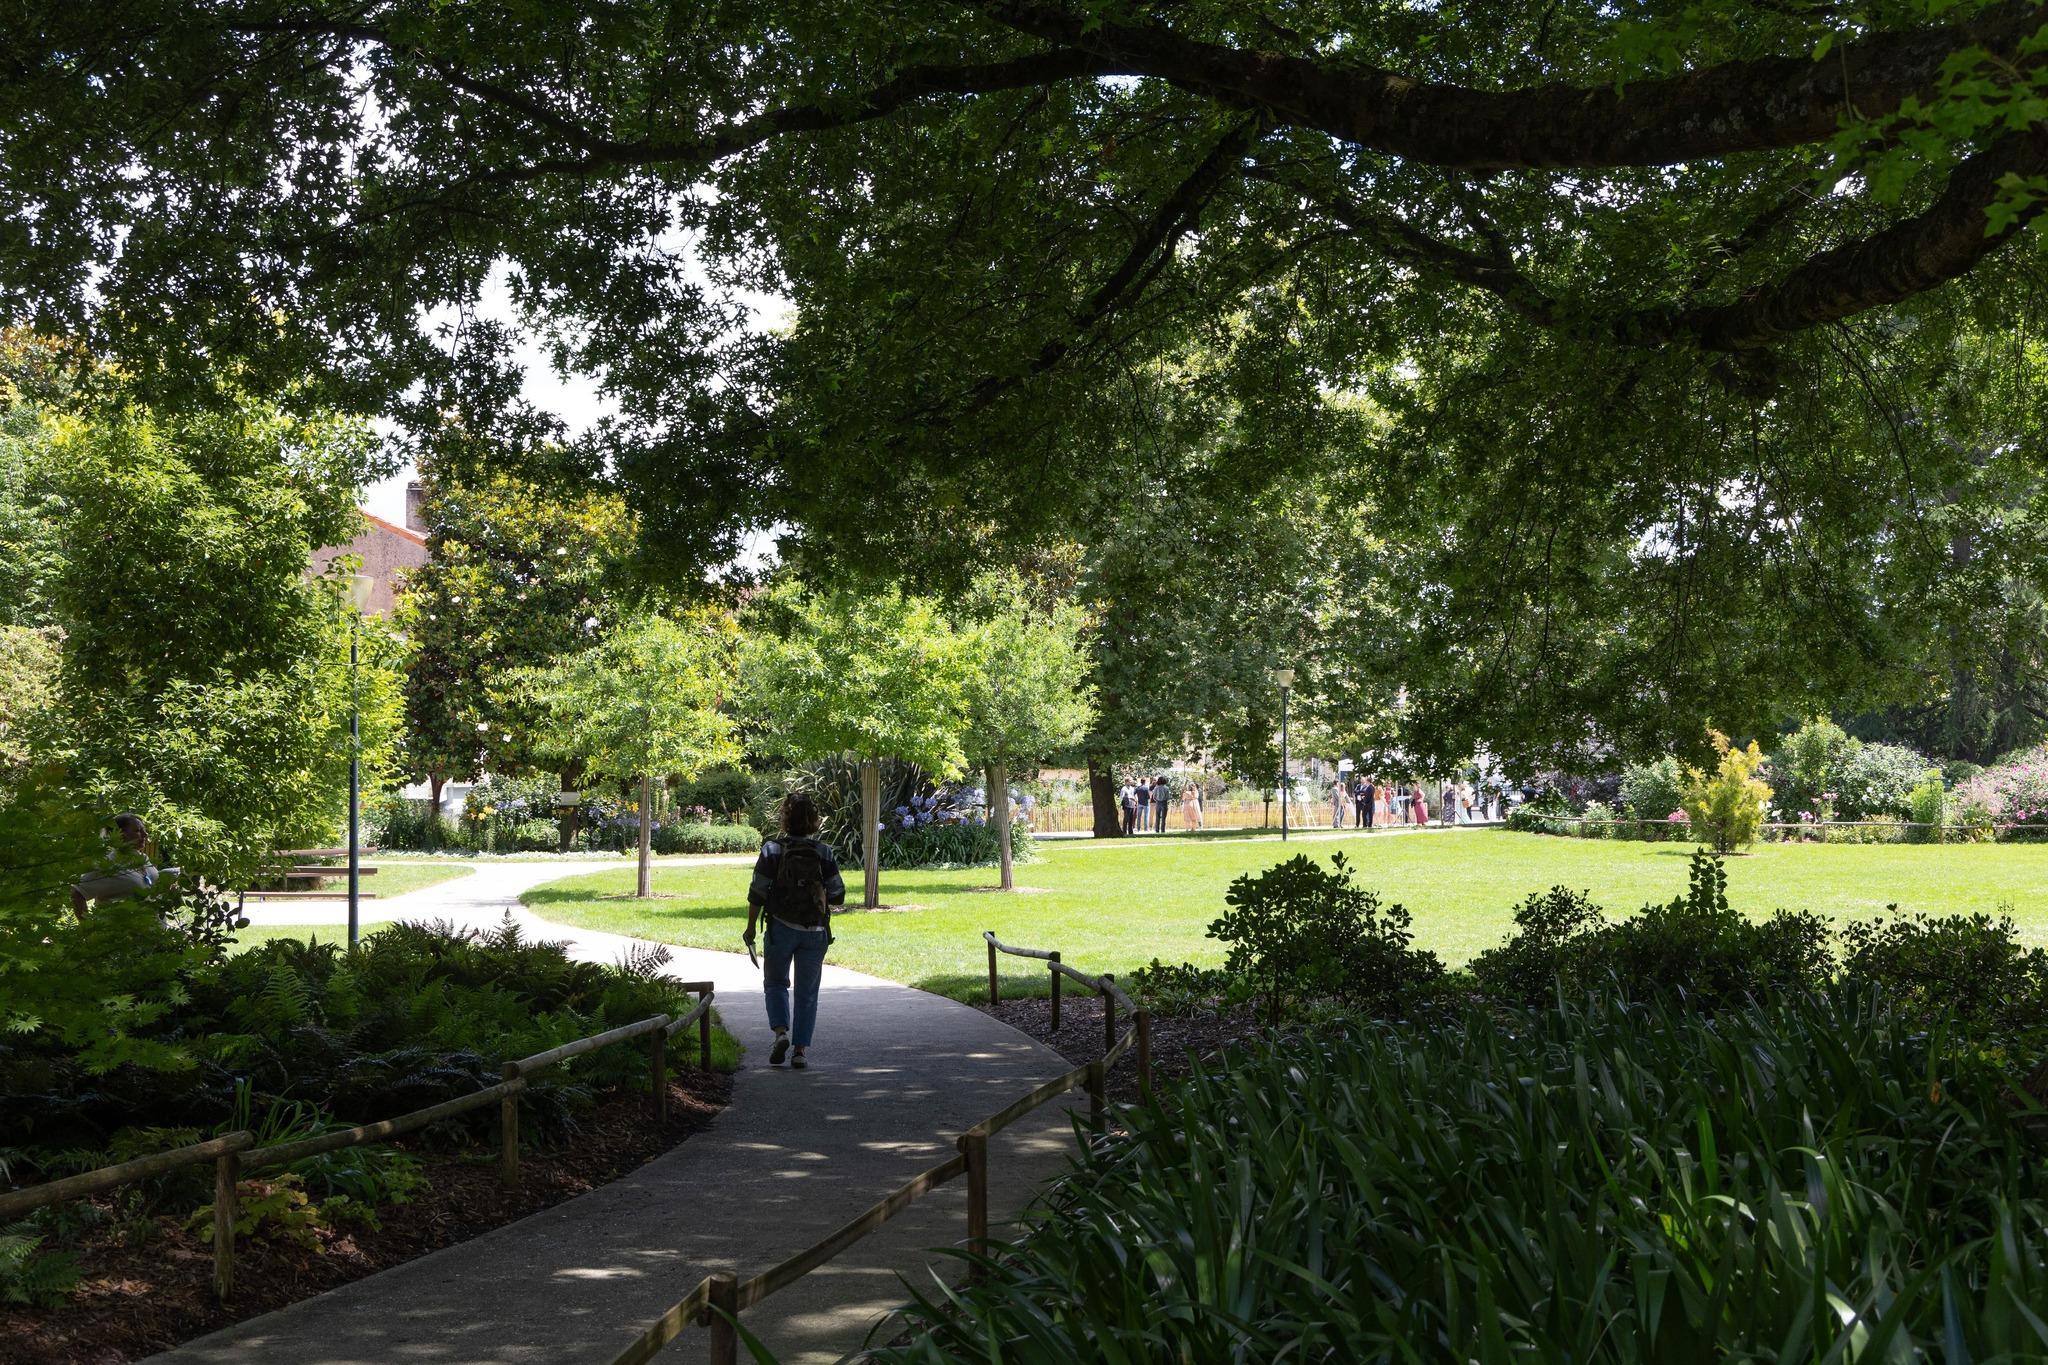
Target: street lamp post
{"points": [[358, 598], [1285, 677]]}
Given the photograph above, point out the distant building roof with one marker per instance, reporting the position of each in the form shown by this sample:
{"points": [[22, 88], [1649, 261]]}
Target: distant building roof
{"points": [[414, 536]]}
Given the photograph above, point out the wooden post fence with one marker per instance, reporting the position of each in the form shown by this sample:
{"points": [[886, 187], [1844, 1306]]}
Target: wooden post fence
{"points": [[508, 1130], [704, 1028], [1143, 1020], [1098, 1099], [974, 1146], [1108, 1012], [227, 1175], [657, 1067], [723, 1314], [1053, 963], [995, 991]]}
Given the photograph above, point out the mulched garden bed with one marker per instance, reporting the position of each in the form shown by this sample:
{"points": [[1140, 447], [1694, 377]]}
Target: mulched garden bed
{"points": [[1175, 1040], [136, 1300]]}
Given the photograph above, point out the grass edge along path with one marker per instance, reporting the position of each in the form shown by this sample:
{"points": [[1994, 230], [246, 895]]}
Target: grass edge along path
{"points": [[1115, 913]]}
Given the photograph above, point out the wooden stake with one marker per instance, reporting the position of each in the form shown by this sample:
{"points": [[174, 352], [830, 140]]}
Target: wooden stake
{"points": [[508, 1132], [1145, 1053], [226, 1175], [1098, 1102], [974, 1146], [995, 992], [657, 1063], [704, 1033], [1057, 977], [1108, 1014], [723, 1313]]}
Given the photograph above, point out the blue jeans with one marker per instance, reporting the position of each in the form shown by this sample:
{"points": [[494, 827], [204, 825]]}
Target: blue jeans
{"points": [[807, 950]]}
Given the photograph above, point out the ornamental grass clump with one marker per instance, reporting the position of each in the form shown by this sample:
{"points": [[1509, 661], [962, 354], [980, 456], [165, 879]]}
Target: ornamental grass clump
{"points": [[1817, 1179]]}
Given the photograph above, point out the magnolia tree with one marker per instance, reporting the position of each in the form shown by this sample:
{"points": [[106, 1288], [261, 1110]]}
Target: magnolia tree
{"points": [[872, 676], [1027, 694], [649, 699]]}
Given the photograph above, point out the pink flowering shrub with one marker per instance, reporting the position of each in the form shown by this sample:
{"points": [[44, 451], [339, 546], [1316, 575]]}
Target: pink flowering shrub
{"points": [[2013, 793]]}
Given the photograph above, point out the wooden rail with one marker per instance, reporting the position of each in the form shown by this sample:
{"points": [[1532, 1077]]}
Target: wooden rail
{"points": [[232, 1153], [717, 1300]]}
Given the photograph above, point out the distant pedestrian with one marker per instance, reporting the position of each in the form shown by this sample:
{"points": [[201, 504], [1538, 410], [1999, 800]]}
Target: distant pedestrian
{"points": [[1337, 800], [1127, 797], [1361, 802], [1191, 804], [1417, 807], [1162, 797], [796, 884], [126, 870]]}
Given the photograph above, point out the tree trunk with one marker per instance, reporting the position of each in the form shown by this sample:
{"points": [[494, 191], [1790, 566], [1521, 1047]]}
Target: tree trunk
{"points": [[646, 831], [434, 785], [870, 835], [1109, 820], [569, 777], [999, 804]]}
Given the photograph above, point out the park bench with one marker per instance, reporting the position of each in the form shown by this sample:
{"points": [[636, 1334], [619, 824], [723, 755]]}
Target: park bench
{"points": [[296, 865]]}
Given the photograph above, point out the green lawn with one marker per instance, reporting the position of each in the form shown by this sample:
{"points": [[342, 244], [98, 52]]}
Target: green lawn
{"points": [[1112, 906]]}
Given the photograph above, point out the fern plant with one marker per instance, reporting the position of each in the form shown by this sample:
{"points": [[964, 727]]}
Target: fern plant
{"points": [[29, 1276]]}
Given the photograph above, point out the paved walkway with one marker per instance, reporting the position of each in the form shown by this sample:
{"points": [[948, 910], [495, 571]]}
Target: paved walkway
{"points": [[896, 1075]]}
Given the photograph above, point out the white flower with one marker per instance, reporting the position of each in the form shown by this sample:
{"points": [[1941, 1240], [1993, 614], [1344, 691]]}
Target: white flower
{"points": [[483, 727], [590, 623], [561, 549]]}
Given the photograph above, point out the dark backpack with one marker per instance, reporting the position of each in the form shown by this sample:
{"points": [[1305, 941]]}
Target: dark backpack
{"points": [[797, 896]]}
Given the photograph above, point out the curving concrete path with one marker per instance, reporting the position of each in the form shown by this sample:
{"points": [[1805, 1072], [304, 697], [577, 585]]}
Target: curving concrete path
{"points": [[896, 1074]]}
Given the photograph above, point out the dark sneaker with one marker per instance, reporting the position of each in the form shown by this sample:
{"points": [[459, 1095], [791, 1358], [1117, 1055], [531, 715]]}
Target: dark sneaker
{"points": [[796, 1060], [781, 1050]]}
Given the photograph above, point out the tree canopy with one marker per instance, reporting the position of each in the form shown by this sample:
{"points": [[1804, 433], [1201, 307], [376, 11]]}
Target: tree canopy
{"points": [[1651, 305]]}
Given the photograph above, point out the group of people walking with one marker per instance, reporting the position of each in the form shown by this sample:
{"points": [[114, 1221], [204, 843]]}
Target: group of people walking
{"points": [[1144, 804], [1373, 803]]}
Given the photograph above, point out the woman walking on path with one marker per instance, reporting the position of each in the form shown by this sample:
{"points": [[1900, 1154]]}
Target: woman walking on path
{"points": [[1191, 804], [796, 884], [1417, 807]]}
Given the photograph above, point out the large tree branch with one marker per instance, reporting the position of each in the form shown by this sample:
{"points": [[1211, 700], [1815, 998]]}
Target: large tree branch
{"points": [[1711, 112], [1939, 244]]}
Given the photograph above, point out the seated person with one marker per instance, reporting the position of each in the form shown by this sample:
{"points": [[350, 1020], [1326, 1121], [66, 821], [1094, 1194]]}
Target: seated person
{"points": [[127, 871]]}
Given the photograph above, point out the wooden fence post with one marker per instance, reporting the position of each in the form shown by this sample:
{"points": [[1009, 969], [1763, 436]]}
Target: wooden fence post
{"points": [[508, 1131], [1145, 1053], [704, 1033], [995, 994], [724, 1310], [1098, 1102], [226, 1176], [1054, 963], [657, 1065], [1108, 1014], [974, 1146]]}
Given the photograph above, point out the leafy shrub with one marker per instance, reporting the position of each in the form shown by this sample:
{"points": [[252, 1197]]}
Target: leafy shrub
{"points": [[697, 837], [1651, 791], [1303, 931], [1966, 969], [726, 792], [1549, 927], [1727, 805], [392, 821], [969, 843], [2011, 792], [1606, 1185], [1808, 764], [497, 809], [1928, 804], [1591, 826], [1183, 988], [1696, 946], [1878, 829], [1877, 781], [1541, 816], [1700, 947]]}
